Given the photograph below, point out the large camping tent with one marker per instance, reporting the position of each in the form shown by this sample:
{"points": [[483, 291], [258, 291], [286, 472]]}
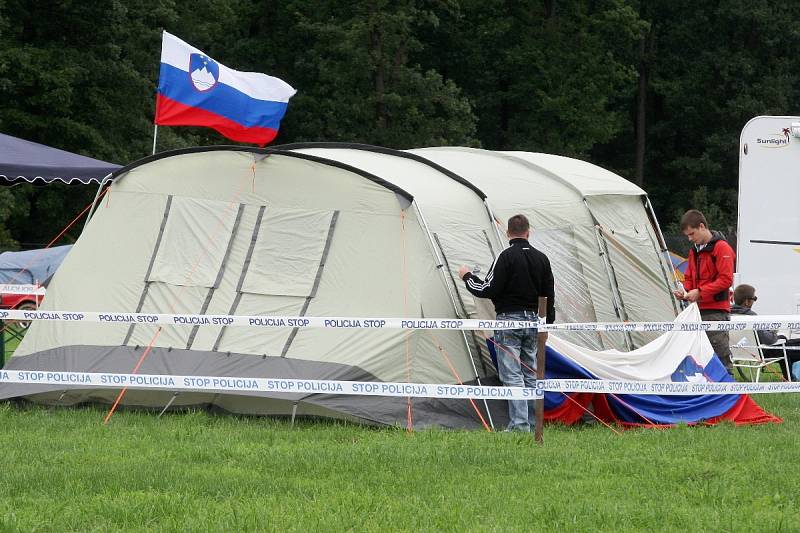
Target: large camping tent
{"points": [[606, 249], [331, 231], [598, 229], [27, 161]]}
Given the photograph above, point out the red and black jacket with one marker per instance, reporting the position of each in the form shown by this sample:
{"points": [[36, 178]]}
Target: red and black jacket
{"points": [[711, 271]]}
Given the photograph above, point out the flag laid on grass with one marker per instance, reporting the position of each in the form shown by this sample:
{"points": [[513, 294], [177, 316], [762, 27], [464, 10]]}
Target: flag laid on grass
{"points": [[195, 90], [678, 356]]}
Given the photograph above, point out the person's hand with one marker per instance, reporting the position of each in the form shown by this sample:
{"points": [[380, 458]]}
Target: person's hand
{"points": [[463, 271], [680, 294], [693, 295]]}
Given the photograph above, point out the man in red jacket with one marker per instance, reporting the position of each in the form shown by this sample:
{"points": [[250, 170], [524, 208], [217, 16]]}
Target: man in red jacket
{"points": [[708, 278]]}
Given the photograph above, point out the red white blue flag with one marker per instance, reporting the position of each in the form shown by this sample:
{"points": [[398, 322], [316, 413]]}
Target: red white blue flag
{"points": [[195, 90], [677, 356], [674, 357]]}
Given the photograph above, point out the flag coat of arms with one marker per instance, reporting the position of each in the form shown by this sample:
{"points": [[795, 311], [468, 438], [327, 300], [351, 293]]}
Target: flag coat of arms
{"points": [[195, 90], [677, 356]]}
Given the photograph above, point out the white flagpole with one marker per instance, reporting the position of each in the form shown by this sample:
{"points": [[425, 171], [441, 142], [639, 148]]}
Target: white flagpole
{"points": [[155, 136]]}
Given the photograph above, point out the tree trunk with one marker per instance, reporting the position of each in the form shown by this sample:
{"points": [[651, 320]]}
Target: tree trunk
{"points": [[549, 9], [376, 52], [645, 55]]}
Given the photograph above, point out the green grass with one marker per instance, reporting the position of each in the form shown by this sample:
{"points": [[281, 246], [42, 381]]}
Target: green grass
{"points": [[12, 336], [64, 470]]}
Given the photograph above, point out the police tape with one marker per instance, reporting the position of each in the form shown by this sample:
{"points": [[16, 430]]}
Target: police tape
{"points": [[392, 389], [12, 288], [164, 319], [666, 388], [270, 385], [791, 322]]}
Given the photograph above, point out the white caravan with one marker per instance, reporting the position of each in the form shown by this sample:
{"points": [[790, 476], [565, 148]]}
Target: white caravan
{"points": [[768, 249]]}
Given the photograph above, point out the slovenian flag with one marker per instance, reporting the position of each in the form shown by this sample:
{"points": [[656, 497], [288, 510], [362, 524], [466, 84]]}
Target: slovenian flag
{"points": [[195, 90], [685, 356]]}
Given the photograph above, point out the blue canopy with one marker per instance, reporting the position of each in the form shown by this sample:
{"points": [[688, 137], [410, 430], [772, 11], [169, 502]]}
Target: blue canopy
{"points": [[31, 266], [22, 160]]}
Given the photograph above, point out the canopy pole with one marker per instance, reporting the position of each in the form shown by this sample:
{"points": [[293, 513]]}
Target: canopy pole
{"points": [[94, 202], [538, 431], [496, 224], [155, 136], [665, 258], [441, 263], [602, 245]]}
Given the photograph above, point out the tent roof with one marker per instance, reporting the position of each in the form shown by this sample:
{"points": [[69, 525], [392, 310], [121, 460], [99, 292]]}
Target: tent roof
{"points": [[31, 266], [449, 201], [323, 148], [589, 179], [260, 153], [585, 179], [22, 160]]}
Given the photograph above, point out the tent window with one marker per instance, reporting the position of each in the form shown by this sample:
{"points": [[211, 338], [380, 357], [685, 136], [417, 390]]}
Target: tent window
{"points": [[194, 242], [465, 248], [573, 298], [287, 256]]}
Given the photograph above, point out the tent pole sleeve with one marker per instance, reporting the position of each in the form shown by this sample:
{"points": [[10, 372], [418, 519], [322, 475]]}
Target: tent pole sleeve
{"points": [[317, 279], [495, 224], [440, 264], [612, 283], [245, 267], [489, 244], [446, 268], [632, 259], [612, 278], [665, 260], [461, 306], [150, 267], [218, 280]]}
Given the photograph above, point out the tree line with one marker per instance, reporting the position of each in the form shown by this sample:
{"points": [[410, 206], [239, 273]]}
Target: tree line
{"points": [[654, 90]]}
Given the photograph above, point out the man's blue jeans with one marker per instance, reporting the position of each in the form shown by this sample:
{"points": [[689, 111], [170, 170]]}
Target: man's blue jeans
{"points": [[516, 365]]}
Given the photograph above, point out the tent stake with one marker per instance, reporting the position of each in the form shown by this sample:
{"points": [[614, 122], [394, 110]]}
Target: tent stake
{"points": [[168, 404]]}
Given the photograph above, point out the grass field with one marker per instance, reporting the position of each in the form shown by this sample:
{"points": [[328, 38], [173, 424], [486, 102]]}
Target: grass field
{"points": [[12, 335], [65, 471]]}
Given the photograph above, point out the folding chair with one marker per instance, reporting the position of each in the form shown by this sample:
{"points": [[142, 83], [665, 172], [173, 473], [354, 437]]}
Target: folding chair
{"points": [[748, 356]]}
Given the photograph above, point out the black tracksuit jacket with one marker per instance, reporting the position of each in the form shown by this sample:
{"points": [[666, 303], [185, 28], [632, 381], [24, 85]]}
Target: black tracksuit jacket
{"points": [[517, 278]]}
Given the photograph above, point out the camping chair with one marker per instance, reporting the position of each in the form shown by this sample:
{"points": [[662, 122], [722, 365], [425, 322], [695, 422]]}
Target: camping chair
{"points": [[747, 353]]}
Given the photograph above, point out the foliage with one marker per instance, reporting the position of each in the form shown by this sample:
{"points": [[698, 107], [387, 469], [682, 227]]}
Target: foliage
{"points": [[722, 65], [541, 82], [358, 81]]}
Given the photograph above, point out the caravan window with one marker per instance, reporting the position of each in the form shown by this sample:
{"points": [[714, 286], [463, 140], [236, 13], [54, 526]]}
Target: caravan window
{"points": [[192, 248], [288, 252]]}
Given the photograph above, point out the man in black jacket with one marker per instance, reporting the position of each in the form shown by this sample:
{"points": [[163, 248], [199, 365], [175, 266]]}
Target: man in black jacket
{"points": [[519, 275]]}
